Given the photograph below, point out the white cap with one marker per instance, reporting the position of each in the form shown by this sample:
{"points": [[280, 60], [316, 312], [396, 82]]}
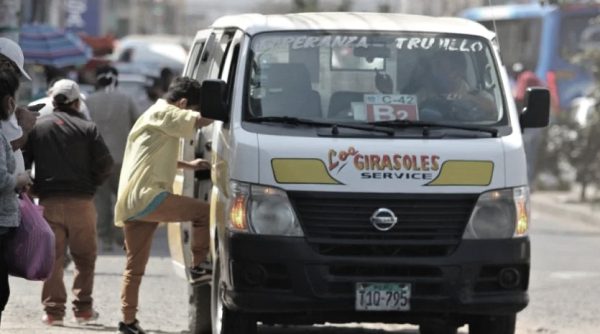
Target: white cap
{"points": [[12, 51], [66, 87]]}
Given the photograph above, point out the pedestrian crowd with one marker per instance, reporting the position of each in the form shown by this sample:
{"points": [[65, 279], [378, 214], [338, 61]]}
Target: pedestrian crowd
{"points": [[99, 168]]}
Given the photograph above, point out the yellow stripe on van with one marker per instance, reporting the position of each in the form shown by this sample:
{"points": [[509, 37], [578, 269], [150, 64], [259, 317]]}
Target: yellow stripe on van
{"points": [[301, 171], [464, 173]]}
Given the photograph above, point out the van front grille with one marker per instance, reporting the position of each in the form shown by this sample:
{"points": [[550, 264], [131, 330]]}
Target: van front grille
{"points": [[339, 224]]}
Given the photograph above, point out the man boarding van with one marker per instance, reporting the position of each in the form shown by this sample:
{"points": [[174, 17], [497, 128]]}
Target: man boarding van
{"points": [[366, 168]]}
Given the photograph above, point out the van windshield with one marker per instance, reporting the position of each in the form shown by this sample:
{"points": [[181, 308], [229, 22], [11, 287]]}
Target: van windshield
{"points": [[367, 78]]}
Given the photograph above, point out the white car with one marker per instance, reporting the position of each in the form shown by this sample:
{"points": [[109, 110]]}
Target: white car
{"points": [[151, 53]]}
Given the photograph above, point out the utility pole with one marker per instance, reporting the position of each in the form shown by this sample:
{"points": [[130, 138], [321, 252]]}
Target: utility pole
{"points": [[9, 19]]}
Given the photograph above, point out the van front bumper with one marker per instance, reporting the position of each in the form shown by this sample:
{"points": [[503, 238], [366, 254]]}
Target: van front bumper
{"points": [[286, 278]]}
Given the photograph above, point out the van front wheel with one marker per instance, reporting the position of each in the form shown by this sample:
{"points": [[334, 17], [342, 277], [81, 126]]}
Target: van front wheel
{"points": [[224, 320], [501, 324]]}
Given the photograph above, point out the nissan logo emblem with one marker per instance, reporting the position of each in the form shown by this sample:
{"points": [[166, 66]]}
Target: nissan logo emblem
{"points": [[384, 219]]}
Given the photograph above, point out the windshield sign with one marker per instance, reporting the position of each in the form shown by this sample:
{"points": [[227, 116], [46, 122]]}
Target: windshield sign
{"points": [[373, 78]]}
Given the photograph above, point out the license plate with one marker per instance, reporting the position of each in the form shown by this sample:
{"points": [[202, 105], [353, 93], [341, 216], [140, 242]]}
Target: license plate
{"points": [[382, 297]]}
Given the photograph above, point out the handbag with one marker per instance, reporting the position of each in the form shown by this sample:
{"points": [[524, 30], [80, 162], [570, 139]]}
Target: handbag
{"points": [[30, 252]]}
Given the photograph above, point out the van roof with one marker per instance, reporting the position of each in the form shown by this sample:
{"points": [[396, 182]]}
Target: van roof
{"points": [[257, 23]]}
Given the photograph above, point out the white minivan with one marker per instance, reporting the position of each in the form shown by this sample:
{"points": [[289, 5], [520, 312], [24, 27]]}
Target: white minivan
{"points": [[366, 168]]}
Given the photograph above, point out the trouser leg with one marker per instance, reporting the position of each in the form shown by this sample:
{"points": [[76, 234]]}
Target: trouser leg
{"points": [[4, 287], [54, 294], [138, 242], [82, 243]]}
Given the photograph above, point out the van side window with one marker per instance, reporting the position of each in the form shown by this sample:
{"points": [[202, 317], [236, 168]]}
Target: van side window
{"points": [[219, 53], [194, 60]]}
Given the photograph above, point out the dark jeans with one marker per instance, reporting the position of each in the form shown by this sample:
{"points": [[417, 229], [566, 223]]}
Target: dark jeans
{"points": [[5, 233]]}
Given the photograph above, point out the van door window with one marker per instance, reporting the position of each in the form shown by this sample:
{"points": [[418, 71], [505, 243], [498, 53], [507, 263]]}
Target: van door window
{"points": [[228, 70], [219, 54]]}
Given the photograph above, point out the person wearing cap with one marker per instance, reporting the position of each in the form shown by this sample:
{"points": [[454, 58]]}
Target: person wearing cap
{"points": [[17, 127], [114, 114], [71, 161], [146, 197], [46, 106]]}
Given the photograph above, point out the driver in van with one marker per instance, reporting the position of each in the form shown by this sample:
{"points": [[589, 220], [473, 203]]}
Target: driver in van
{"points": [[447, 94]]}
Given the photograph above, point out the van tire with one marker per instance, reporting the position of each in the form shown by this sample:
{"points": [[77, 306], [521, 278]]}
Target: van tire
{"points": [[437, 328], [237, 323], [199, 309], [499, 324], [224, 320]]}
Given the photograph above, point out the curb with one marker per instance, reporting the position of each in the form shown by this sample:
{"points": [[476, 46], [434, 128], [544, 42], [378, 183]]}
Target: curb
{"points": [[556, 204]]}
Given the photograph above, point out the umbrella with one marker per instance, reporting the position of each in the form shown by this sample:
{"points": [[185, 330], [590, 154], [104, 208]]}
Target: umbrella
{"points": [[46, 45]]}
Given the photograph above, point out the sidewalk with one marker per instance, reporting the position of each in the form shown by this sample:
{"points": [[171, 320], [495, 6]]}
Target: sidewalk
{"points": [[565, 204]]}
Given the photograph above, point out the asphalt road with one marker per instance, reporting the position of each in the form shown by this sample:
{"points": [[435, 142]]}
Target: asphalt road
{"points": [[564, 291]]}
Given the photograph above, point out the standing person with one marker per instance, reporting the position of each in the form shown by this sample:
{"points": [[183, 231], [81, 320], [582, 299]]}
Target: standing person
{"points": [[114, 114], [10, 180], [17, 127], [532, 137], [71, 162], [46, 106], [145, 190]]}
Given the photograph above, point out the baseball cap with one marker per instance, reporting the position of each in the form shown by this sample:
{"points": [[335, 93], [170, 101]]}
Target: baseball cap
{"points": [[68, 88], [12, 51]]}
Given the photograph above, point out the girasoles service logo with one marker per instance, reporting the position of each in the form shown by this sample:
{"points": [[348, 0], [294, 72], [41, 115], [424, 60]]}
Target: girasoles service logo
{"points": [[384, 166]]}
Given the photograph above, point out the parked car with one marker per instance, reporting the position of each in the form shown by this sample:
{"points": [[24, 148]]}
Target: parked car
{"points": [[151, 53]]}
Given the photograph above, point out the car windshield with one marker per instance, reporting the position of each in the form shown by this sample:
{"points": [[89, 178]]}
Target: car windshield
{"points": [[367, 78]]}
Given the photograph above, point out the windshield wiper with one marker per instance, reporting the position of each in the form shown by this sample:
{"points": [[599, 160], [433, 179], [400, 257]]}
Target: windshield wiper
{"points": [[334, 125], [427, 125]]}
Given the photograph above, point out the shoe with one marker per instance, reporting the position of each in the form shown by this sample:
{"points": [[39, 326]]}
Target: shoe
{"points": [[50, 320], [87, 317], [200, 274], [133, 328]]}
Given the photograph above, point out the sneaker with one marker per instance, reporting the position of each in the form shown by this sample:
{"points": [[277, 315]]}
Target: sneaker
{"points": [[87, 317], [133, 328], [50, 320], [200, 274]]}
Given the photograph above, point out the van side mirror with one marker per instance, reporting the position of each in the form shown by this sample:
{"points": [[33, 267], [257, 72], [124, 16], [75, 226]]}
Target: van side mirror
{"points": [[536, 113], [213, 103]]}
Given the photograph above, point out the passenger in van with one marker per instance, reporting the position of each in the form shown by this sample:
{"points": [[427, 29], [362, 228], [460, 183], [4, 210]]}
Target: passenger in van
{"points": [[145, 197], [448, 92]]}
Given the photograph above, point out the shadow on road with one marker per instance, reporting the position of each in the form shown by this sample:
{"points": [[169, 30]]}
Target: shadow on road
{"points": [[329, 330], [104, 329]]}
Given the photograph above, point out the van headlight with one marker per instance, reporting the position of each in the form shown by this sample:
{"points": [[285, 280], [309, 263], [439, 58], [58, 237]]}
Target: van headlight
{"points": [[500, 214], [262, 210]]}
